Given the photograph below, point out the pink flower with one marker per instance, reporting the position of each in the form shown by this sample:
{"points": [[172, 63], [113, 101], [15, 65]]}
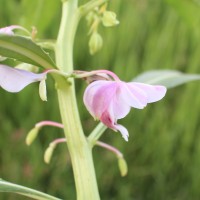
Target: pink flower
{"points": [[109, 101], [14, 80], [9, 29]]}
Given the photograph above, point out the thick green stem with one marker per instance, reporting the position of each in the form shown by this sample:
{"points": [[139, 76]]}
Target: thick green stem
{"points": [[79, 148]]}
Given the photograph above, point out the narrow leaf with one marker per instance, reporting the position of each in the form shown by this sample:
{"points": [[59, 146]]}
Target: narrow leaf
{"points": [[168, 78], [14, 188], [25, 50]]}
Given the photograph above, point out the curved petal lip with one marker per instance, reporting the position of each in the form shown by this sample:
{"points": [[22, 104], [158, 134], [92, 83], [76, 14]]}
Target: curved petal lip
{"points": [[123, 131]]}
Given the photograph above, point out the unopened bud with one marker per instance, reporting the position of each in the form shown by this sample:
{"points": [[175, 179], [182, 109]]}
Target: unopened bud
{"points": [[109, 19], [43, 90], [48, 153], [95, 43], [32, 135], [122, 166]]}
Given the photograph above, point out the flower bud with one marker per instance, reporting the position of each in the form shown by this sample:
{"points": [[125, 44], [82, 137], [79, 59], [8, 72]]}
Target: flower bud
{"points": [[109, 19], [95, 43], [32, 135], [43, 90], [48, 153], [122, 166]]}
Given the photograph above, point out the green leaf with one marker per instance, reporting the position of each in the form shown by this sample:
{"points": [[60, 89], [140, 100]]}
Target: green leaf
{"points": [[25, 50], [168, 78], [10, 187]]}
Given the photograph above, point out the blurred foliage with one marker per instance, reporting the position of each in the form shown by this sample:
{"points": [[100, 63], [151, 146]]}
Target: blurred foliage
{"points": [[163, 152]]}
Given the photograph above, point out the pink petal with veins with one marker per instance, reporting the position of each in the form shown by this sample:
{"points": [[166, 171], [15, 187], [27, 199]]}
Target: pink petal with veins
{"points": [[134, 97], [119, 105], [153, 92], [103, 98], [92, 92], [14, 80]]}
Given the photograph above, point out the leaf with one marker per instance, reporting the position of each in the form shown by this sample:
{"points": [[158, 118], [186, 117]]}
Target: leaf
{"points": [[25, 50], [14, 188], [168, 78]]}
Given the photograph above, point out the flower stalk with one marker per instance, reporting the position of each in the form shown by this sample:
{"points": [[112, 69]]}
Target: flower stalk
{"points": [[78, 146], [49, 123], [96, 72]]}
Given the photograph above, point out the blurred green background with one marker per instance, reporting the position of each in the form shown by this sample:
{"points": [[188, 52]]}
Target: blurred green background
{"points": [[163, 152]]}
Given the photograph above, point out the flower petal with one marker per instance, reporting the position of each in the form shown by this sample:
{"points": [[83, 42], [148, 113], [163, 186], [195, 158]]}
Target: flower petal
{"points": [[123, 131], [9, 29], [119, 106], [98, 95], [111, 100], [153, 92], [89, 95], [110, 121], [133, 96], [103, 98], [138, 95], [14, 80]]}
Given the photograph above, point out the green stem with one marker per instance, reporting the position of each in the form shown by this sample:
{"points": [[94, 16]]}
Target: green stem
{"points": [[96, 133], [79, 148]]}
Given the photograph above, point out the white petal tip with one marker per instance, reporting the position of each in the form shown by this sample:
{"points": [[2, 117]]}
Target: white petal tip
{"points": [[123, 131], [125, 138]]}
